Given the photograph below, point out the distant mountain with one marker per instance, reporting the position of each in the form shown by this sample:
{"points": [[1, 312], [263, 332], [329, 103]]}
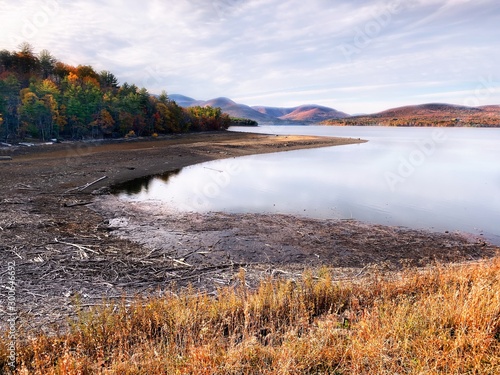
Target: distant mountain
{"points": [[230, 107], [265, 115], [183, 101], [274, 111], [431, 114], [303, 113], [239, 110], [314, 113], [490, 108], [429, 109]]}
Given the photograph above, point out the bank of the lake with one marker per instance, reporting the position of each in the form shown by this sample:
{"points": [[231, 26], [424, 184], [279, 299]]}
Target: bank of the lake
{"points": [[62, 248], [72, 243], [422, 178]]}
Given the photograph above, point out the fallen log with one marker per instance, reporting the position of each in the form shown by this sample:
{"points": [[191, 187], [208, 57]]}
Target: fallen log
{"points": [[5, 157]]}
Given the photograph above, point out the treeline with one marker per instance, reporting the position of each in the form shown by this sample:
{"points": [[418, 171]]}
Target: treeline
{"points": [[477, 120], [44, 98], [373, 121], [237, 121]]}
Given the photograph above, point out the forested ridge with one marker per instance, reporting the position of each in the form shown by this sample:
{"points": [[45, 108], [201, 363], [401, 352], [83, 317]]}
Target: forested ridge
{"points": [[44, 98]]}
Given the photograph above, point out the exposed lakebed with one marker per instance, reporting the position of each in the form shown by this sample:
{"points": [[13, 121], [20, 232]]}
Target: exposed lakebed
{"points": [[442, 179]]}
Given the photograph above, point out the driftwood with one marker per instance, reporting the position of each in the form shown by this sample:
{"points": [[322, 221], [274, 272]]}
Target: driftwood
{"points": [[5, 157], [83, 187], [81, 248], [77, 204], [26, 187]]}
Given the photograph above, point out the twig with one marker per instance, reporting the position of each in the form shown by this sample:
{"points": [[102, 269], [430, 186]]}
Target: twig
{"points": [[92, 183], [213, 169], [79, 247], [83, 187], [219, 240], [53, 271], [77, 204], [25, 187], [360, 272], [148, 255], [37, 295], [187, 255], [19, 256], [180, 262]]}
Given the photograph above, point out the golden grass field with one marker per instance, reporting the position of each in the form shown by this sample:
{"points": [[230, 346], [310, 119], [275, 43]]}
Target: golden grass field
{"points": [[441, 320]]}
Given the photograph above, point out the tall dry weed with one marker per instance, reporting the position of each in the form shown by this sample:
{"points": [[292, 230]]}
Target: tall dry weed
{"points": [[444, 320]]}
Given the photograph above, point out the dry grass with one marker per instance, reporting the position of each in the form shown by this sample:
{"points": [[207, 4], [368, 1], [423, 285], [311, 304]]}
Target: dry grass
{"points": [[445, 320]]}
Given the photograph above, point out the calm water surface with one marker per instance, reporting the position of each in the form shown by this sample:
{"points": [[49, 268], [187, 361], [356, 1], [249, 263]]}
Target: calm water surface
{"points": [[426, 178]]}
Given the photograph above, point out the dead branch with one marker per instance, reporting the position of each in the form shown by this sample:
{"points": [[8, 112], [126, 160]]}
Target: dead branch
{"points": [[82, 248], [77, 204], [83, 187], [180, 262], [26, 187]]}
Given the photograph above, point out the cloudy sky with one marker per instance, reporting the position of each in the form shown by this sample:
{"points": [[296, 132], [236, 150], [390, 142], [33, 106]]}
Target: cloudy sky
{"points": [[356, 56]]}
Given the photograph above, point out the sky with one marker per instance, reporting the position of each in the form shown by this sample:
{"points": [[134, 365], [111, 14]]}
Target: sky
{"points": [[357, 56]]}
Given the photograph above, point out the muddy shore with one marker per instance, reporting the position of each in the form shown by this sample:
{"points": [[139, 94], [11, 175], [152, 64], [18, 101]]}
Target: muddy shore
{"points": [[74, 244]]}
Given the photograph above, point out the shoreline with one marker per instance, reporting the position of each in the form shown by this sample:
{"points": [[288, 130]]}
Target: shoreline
{"points": [[182, 150], [72, 240]]}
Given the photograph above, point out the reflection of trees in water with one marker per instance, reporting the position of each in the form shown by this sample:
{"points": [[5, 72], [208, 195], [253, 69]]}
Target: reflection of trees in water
{"points": [[141, 184], [166, 176]]}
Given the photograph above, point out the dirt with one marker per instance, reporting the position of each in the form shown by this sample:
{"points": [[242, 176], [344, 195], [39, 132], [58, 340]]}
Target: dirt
{"points": [[75, 245]]}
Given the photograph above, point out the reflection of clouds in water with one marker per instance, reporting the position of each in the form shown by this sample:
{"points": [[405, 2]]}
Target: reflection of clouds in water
{"points": [[457, 187]]}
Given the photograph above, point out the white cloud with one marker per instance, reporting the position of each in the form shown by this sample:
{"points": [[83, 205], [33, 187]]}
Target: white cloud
{"points": [[270, 50]]}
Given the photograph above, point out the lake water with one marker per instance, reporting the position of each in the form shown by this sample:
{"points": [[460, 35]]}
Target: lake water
{"points": [[424, 178]]}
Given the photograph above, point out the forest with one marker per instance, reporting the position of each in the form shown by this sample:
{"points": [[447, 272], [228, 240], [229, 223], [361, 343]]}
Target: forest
{"points": [[43, 98]]}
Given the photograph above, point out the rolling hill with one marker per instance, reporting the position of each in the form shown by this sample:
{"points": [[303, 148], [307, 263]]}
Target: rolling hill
{"points": [[431, 114], [184, 101], [239, 110], [314, 113], [430, 109], [273, 111], [228, 106], [265, 115], [304, 113]]}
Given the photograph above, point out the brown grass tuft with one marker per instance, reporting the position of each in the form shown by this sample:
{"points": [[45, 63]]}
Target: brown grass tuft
{"points": [[444, 320]]}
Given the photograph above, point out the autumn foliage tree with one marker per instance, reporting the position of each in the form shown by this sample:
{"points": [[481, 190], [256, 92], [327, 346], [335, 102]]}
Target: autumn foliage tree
{"points": [[45, 98], [208, 118]]}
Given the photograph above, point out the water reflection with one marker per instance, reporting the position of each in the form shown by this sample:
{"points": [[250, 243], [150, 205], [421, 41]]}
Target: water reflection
{"points": [[140, 186], [411, 177]]}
